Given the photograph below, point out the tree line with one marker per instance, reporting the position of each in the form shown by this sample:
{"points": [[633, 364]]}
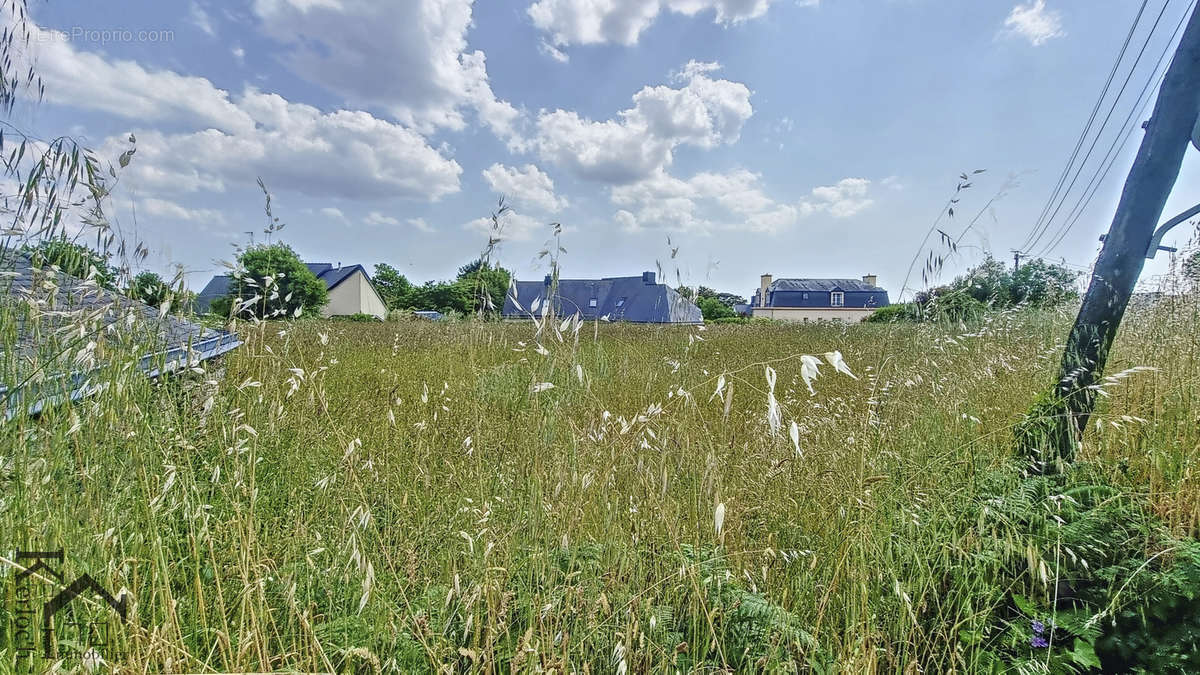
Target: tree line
{"points": [[990, 285], [271, 280]]}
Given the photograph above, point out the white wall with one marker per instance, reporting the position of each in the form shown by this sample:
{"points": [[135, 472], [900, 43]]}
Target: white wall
{"points": [[810, 314], [355, 295]]}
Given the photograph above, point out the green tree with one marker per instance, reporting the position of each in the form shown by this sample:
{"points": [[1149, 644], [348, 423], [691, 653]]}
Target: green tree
{"points": [[149, 288], [487, 282], [278, 280], [443, 296], [396, 290], [988, 282], [712, 308], [730, 299], [700, 292], [73, 259], [1038, 282]]}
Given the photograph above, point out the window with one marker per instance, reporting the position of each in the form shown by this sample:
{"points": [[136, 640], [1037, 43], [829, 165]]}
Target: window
{"points": [[806, 296], [592, 302], [837, 299], [621, 302]]}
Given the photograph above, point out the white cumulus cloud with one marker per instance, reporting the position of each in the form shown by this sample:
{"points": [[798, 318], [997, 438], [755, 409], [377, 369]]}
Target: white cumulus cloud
{"points": [[585, 22], [377, 218], [1034, 22], [515, 226], [409, 56], [333, 213], [199, 18], [87, 80], [706, 202], [553, 52], [732, 201], [843, 199], [161, 208], [528, 187], [349, 154], [294, 146], [420, 224], [640, 141]]}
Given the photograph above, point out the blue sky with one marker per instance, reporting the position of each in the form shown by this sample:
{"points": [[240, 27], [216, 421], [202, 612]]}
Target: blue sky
{"points": [[799, 138]]}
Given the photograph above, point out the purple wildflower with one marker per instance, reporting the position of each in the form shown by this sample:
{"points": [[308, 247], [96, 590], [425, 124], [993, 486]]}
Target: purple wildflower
{"points": [[1038, 627], [1039, 642]]}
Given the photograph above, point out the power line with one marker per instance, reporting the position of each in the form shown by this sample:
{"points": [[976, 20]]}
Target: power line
{"points": [[1119, 141], [1100, 132], [1087, 126], [1111, 156]]}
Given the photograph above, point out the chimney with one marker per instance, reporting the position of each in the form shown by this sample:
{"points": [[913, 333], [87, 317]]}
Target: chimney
{"points": [[547, 280], [648, 278], [763, 284], [870, 279], [339, 265]]}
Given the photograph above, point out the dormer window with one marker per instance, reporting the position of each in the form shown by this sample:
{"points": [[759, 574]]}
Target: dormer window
{"points": [[837, 299]]}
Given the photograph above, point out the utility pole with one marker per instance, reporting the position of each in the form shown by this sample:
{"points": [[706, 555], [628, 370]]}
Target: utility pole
{"points": [[1051, 434], [1016, 260]]}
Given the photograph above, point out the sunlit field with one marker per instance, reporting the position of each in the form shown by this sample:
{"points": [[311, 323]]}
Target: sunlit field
{"points": [[414, 496]]}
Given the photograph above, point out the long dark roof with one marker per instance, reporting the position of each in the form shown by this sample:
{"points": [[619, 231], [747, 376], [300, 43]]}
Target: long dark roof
{"points": [[61, 302], [822, 285], [634, 299]]}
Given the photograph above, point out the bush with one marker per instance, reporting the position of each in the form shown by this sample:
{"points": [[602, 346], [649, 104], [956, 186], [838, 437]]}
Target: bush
{"points": [[954, 306], [1036, 282], [1095, 584], [712, 309], [359, 316], [73, 259], [149, 288], [275, 275], [908, 311]]}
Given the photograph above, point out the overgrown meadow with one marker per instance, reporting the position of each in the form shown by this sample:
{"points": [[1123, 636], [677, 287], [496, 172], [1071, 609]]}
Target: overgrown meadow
{"points": [[579, 497]]}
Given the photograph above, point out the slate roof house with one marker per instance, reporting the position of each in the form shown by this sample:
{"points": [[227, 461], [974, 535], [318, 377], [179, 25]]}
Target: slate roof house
{"points": [[50, 308], [633, 299], [351, 291], [803, 300]]}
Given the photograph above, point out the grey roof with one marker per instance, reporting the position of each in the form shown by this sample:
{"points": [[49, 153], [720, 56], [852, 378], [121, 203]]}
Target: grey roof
{"points": [[822, 285], [63, 302], [332, 276], [634, 299], [218, 286]]}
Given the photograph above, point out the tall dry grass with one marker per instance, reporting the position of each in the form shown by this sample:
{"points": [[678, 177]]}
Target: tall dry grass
{"points": [[411, 496]]}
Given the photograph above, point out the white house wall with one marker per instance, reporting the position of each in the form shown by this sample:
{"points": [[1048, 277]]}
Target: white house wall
{"points": [[371, 302], [355, 295], [811, 314]]}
